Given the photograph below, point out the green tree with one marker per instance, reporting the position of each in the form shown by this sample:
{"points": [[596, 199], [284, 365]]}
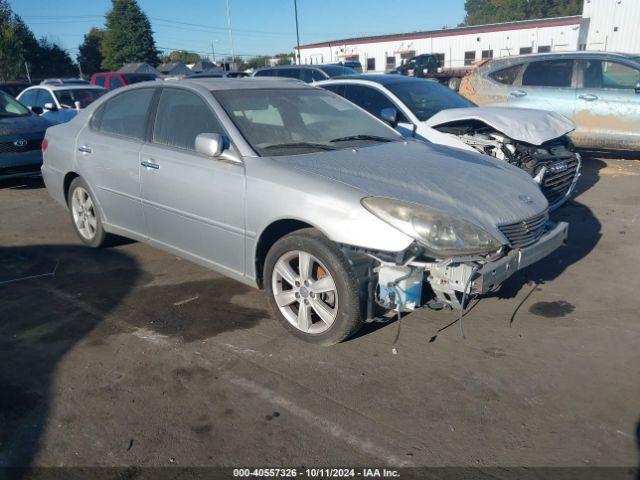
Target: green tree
{"points": [[12, 48], [181, 56], [284, 58], [128, 36], [494, 11], [90, 57]]}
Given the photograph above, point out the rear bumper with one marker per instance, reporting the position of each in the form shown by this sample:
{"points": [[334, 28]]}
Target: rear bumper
{"points": [[54, 181], [492, 274]]}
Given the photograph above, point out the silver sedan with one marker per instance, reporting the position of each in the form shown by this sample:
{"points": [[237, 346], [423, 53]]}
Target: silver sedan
{"points": [[295, 190]]}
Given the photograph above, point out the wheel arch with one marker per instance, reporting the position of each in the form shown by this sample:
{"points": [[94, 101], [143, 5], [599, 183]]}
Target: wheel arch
{"points": [[66, 184], [269, 236]]}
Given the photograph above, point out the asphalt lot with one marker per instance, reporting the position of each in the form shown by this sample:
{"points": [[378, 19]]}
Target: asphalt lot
{"points": [[130, 356]]}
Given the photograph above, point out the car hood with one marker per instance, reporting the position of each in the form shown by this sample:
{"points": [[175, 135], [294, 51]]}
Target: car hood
{"points": [[521, 124], [32, 124], [467, 185]]}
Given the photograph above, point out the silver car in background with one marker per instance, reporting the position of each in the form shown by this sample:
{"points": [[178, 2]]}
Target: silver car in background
{"points": [[295, 190]]}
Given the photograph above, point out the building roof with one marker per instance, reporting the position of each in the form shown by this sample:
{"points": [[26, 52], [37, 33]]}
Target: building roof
{"points": [[493, 27], [173, 67], [202, 66], [138, 68]]}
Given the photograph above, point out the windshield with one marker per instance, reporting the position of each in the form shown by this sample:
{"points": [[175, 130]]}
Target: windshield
{"points": [[425, 98], [132, 78], [337, 70], [295, 121], [12, 108], [85, 96]]}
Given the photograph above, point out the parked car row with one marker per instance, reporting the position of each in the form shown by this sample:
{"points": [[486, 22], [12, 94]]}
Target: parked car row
{"points": [[294, 189]]}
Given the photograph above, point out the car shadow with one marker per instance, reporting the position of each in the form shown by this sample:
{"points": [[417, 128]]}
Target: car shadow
{"points": [[585, 231], [22, 183], [51, 298]]}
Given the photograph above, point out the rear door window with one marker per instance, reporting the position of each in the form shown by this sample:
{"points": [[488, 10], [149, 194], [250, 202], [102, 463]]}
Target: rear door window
{"points": [[506, 76], [548, 73], [266, 73], [603, 74], [289, 73], [125, 115], [101, 81], [181, 117]]}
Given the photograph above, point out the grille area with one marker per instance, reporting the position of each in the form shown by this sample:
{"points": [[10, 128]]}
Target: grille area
{"points": [[9, 147], [525, 232], [558, 178]]}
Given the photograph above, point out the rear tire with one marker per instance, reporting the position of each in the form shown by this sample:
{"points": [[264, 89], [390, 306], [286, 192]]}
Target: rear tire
{"points": [[85, 215], [454, 83], [312, 289]]}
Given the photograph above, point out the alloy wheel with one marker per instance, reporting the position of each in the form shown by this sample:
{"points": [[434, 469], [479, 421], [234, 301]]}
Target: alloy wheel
{"points": [[305, 292]]}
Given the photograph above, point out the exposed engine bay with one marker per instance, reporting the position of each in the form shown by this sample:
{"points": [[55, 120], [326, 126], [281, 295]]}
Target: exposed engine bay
{"points": [[554, 164], [411, 279]]}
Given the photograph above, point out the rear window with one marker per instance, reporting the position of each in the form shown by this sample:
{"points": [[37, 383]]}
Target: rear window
{"points": [[132, 78], [548, 73], [100, 81], [84, 96], [506, 76], [337, 70]]}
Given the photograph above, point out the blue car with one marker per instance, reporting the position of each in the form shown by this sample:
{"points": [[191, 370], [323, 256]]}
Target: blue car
{"points": [[21, 134], [599, 91]]}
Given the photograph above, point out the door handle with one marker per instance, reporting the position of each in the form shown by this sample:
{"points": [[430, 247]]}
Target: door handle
{"points": [[588, 97], [149, 164], [85, 149], [518, 93]]}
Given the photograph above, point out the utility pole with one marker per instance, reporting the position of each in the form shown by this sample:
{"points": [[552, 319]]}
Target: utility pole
{"points": [[26, 66], [213, 53], [233, 56], [295, 6]]}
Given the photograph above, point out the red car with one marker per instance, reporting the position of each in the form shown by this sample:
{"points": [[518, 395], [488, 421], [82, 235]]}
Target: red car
{"points": [[113, 80]]}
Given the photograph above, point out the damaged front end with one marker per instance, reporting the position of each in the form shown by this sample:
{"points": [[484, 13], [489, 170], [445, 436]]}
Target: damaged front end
{"points": [[412, 279], [554, 164]]}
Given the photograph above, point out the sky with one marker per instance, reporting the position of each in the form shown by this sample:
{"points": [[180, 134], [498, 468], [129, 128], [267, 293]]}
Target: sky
{"points": [[260, 27]]}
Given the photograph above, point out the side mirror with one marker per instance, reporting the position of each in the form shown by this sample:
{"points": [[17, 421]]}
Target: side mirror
{"points": [[209, 144], [213, 145], [389, 115], [37, 110], [51, 107], [638, 87]]}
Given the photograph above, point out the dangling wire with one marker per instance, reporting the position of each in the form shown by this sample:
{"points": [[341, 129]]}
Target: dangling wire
{"points": [[464, 299]]}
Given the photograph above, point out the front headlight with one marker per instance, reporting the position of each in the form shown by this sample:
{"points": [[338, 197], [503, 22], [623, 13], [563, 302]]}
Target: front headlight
{"points": [[443, 235]]}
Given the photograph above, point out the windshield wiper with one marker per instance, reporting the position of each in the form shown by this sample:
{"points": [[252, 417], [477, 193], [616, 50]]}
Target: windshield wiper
{"points": [[362, 137], [320, 146]]}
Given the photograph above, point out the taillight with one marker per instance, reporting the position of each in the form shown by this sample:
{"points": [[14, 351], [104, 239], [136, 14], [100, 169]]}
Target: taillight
{"points": [[45, 144]]}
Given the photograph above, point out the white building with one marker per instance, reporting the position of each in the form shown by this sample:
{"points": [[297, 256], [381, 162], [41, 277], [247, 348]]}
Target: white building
{"points": [[604, 25]]}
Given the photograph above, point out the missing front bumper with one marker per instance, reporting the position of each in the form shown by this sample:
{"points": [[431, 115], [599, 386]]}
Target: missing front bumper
{"points": [[400, 286], [492, 274]]}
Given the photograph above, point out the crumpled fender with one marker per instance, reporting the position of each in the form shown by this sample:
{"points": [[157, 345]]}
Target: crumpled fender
{"points": [[521, 124]]}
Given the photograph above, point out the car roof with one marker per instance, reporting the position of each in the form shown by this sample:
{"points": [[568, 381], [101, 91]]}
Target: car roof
{"points": [[67, 86], [248, 83], [278, 67], [586, 54], [381, 78]]}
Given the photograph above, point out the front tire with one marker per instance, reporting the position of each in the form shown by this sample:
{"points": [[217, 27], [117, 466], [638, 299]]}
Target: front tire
{"points": [[85, 215], [312, 289]]}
